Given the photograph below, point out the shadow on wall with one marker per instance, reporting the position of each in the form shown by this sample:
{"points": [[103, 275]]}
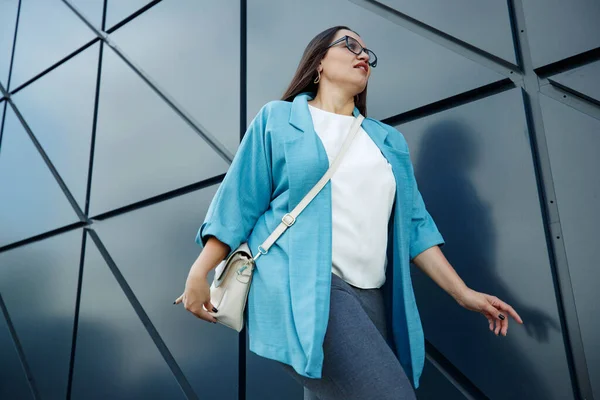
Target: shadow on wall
{"points": [[466, 222]]}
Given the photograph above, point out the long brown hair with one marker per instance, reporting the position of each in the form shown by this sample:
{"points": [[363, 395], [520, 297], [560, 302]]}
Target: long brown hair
{"points": [[303, 80]]}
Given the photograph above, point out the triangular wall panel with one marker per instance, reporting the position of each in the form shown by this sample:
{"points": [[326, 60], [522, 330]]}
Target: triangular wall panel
{"points": [[32, 201], [155, 261], [59, 109], [202, 37], [38, 283], [483, 24], [115, 357], [561, 29], [48, 31], [143, 148], [585, 80]]}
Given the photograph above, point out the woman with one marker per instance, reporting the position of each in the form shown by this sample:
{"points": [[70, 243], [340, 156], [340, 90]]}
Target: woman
{"points": [[318, 299]]}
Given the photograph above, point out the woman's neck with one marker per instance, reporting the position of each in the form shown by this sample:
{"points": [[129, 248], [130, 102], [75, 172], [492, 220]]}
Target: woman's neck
{"points": [[334, 102]]}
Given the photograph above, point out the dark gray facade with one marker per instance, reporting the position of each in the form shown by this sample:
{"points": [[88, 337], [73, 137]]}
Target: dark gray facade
{"points": [[118, 120]]}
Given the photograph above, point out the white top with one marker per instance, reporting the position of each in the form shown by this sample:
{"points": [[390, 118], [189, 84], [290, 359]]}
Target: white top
{"points": [[362, 191]]}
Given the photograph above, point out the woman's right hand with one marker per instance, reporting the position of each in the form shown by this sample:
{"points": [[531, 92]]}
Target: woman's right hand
{"points": [[196, 295]]}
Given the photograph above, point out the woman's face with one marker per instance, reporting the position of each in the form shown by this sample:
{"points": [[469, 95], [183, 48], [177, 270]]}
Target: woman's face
{"points": [[342, 67]]}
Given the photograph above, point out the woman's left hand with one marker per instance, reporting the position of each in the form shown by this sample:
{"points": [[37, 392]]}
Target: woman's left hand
{"points": [[494, 309]]}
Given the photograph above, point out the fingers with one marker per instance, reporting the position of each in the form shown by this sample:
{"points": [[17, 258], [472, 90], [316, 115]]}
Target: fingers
{"points": [[496, 325], [205, 315], [493, 312], [200, 313], [499, 304], [510, 311], [179, 300], [497, 321], [208, 306], [490, 321], [497, 328], [501, 321], [503, 327]]}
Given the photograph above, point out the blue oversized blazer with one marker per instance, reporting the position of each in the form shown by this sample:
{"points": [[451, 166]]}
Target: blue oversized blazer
{"points": [[278, 161]]}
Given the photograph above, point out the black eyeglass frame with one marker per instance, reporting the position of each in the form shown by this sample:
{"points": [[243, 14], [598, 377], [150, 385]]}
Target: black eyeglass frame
{"points": [[369, 52]]}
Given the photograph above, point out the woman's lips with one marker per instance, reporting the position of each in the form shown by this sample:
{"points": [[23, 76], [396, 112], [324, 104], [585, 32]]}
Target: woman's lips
{"points": [[362, 66]]}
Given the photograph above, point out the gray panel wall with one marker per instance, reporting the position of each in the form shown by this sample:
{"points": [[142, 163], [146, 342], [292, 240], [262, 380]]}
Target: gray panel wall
{"points": [[122, 117], [475, 170]]}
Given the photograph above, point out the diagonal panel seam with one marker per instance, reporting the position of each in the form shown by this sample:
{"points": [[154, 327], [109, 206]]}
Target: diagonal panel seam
{"points": [[104, 12], [131, 17], [55, 65], [153, 200], [76, 316], [45, 235], [461, 382], [568, 63], [88, 189], [3, 104], [451, 102], [144, 318], [580, 95], [10, 64], [13, 333], [14, 45], [160, 198], [571, 99], [47, 160]]}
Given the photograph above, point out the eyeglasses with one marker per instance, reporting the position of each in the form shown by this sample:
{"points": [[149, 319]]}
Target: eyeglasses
{"points": [[355, 47]]}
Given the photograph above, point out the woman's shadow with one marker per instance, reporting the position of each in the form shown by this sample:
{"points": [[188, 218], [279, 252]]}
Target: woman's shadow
{"points": [[446, 156]]}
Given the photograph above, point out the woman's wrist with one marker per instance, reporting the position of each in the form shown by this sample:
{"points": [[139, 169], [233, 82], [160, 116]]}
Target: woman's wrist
{"points": [[211, 255], [198, 272], [459, 292]]}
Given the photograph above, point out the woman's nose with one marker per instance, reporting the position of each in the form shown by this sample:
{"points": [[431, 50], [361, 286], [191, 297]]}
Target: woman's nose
{"points": [[363, 56]]}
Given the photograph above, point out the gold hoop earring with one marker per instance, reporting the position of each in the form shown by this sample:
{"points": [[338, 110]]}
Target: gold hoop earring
{"points": [[318, 78]]}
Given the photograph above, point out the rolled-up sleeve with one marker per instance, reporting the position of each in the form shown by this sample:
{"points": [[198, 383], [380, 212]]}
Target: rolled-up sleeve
{"points": [[245, 192], [424, 232]]}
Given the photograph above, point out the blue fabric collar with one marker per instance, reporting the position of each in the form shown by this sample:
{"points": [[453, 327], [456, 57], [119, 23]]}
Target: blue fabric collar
{"points": [[300, 115]]}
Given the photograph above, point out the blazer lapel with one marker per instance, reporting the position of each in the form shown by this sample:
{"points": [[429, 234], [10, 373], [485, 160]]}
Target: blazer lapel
{"points": [[401, 166], [305, 156]]}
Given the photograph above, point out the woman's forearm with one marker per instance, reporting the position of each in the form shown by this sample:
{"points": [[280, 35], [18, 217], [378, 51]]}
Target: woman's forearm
{"points": [[211, 255], [433, 262]]}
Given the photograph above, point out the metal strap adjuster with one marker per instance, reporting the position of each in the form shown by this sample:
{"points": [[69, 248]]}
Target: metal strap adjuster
{"points": [[261, 251], [288, 219]]}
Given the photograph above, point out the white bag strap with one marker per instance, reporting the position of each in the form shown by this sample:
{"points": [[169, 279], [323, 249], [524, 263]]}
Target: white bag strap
{"points": [[289, 218]]}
